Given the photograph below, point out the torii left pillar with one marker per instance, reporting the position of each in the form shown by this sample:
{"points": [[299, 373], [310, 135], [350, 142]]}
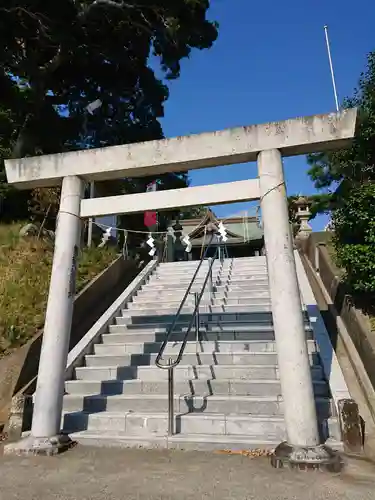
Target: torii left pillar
{"points": [[45, 437]]}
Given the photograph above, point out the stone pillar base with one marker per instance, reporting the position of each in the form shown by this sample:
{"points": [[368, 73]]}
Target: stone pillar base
{"points": [[31, 445], [315, 458]]}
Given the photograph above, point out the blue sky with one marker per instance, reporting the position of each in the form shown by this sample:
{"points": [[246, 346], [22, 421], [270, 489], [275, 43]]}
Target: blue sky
{"points": [[269, 63]]}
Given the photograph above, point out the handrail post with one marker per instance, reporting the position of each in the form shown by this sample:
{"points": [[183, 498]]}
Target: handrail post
{"points": [[210, 282], [197, 320], [170, 398], [222, 256]]}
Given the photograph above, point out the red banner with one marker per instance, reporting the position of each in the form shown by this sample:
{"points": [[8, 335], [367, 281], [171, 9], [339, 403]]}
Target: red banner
{"points": [[150, 219]]}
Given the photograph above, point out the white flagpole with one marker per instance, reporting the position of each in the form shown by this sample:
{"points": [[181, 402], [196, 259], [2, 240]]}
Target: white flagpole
{"points": [[91, 219], [331, 67]]}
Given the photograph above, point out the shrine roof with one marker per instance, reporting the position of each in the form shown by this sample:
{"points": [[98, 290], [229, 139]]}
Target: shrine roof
{"points": [[244, 228]]}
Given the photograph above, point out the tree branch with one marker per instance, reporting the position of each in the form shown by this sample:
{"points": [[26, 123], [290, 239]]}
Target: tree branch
{"points": [[36, 16], [109, 3], [52, 64], [117, 5]]}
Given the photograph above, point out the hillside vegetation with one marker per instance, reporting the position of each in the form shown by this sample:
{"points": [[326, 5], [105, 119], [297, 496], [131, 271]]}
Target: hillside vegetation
{"points": [[25, 267], [369, 311]]}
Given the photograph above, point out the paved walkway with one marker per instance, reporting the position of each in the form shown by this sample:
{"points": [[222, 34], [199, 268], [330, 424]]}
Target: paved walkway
{"points": [[107, 474]]}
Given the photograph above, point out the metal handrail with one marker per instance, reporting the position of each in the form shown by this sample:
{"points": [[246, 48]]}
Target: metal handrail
{"points": [[178, 313], [171, 365]]}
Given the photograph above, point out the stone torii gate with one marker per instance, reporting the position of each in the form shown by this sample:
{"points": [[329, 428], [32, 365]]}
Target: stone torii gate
{"points": [[266, 144]]}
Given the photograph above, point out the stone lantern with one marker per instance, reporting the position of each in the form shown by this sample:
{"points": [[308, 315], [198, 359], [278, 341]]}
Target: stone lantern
{"points": [[303, 215]]}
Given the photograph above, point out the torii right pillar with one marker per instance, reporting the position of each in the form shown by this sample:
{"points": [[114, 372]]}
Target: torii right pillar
{"points": [[303, 448]]}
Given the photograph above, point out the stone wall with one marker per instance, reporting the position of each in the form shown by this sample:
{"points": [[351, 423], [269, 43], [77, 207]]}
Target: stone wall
{"points": [[355, 321]]}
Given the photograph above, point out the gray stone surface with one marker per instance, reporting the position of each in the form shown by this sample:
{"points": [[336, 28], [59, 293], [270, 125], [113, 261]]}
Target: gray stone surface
{"points": [[152, 158], [227, 386], [102, 474]]}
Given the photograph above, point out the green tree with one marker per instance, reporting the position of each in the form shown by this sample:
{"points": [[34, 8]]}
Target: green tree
{"points": [[349, 177], [13, 203], [192, 213], [57, 57]]}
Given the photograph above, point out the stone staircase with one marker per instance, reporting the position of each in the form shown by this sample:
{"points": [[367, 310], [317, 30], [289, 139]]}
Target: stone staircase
{"points": [[227, 389]]}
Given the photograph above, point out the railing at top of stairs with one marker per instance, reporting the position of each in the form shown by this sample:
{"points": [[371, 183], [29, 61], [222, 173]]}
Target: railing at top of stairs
{"points": [[194, 321]]}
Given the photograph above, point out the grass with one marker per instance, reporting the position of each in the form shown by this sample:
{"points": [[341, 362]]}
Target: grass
{"points": [[25, 268]]}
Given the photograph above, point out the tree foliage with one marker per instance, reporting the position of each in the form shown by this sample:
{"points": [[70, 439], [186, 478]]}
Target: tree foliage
{"points": [[349, 176], [354, 222], [57, 57], [192, 213]]}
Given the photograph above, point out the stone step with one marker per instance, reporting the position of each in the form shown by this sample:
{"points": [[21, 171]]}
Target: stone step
{"points": [[233, 284], [218, 292], [210, 319], [163, 307], [115, 439], [196, 442], [207, 319], [169, 266], [156, 403], [146, 303], [193, 264], [186, 372], [217, 266], [185, 387], [256, 287], [203, 266], [184, 275], [125, 335], [222, 295], [141, 424], [184, 278], [191, 347], [215, 358], [220, 287], [217, 269], [217, 263], [156, 332], [165, 266], [181, 327], [240, 320], [188, 310], [260, 324]]}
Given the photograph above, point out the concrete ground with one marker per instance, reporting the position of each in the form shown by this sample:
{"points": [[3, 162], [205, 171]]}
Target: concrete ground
{"points": [[113, 474]]}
